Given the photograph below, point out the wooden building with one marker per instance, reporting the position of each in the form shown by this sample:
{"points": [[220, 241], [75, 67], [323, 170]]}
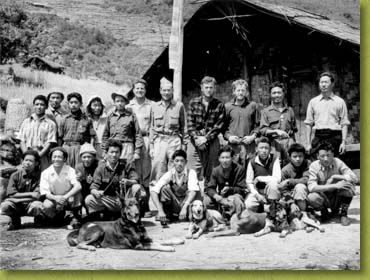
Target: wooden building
{"points": [[43, 64], [262, 43]]}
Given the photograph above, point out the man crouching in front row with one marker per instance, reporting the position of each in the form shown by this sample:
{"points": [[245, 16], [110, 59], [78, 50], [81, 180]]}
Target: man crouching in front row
{"points": [[175, 190]]}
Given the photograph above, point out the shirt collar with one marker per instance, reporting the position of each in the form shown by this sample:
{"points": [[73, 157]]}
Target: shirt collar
{"points": [[53, 171], [257, 160], [34, 117], [272, 107], [185, 172], [134, 102], [245, 103], [331, 96], [323, 168], [111, 167], [172, 103]]}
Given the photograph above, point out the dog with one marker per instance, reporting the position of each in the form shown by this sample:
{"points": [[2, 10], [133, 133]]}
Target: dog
{"points": [[127, 232], [203, 219], [285, 221]]}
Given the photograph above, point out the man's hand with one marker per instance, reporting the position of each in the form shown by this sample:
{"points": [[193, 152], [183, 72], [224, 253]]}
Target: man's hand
{"points": [[260, 198], [234, 140], [35, 195], [200, 140], [281, 133], [248, 139], [89, 179], [96, 193], [283, 184], [256, 180], [224, 190], [294, 208], [59, 199], [343, 185], [308, 148], [182, 215], [79, 176], [184, 147], [136, 156], [151, 152], [342, 148], [161, 216], [226, 202]]}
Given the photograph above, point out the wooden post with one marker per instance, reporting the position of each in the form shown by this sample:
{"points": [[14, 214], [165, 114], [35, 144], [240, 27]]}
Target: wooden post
{"points": [[175, 51]]}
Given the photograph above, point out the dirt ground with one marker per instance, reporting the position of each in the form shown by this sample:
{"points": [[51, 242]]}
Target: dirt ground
{"points": [[47, 249]]}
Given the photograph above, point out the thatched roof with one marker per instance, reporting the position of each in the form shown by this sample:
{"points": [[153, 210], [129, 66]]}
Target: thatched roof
{"points": [[316, 22], [45, 61]]}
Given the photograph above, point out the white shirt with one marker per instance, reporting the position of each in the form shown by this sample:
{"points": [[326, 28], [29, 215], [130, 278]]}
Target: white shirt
{"points": [[52, 183], [193, 184]]}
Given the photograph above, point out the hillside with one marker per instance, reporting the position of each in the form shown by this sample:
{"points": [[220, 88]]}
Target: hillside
{"points": [[134, 31]]}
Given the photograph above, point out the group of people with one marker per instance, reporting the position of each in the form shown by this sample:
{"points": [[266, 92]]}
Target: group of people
{"points": [[247, 155]]}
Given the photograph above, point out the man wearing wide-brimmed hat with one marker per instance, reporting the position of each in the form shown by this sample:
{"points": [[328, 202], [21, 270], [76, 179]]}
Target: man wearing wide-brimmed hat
{"points": [[123, 126]]}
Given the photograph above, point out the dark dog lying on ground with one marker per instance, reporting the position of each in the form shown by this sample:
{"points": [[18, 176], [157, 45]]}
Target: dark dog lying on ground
{"points": [[203, 219], [286, 222], [127, 232]]}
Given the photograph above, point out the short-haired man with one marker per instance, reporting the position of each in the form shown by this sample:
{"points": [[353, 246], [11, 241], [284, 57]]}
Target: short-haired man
{"points": [[61, 188], [122, 125], [23, 191], [141, 106], [242, 122], [38, 132], [263, 178], [227, 184], [175, 190], [75, 129], [327, 115], [55, 110], [113, 180], [294, 178], [278, 122], [206, 120], [168, 130], [331, 184]]}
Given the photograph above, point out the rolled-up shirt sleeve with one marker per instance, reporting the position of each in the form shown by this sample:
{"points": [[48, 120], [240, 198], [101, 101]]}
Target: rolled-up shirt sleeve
{"points": [[312, 176], [309, 114], [347, 172], [164, 180], [343, 115], [250, 178]]}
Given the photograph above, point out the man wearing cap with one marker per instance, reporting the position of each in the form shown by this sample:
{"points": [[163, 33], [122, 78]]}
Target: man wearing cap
{"points": [[113, 180], [122, 125], [206, 120], [168, 131], [86, 168], [141, 106], [38, 132], [55, 111], [95, 111], [60, 187], [75, 129], [327, 115]]}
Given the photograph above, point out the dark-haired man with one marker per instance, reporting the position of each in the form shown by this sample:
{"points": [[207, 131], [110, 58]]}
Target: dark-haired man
{"points": [[75, 129], [113, 181], [327, 115], [38, 132], [175, 190], [61, 188], [55, 110], [294, 178], [227, 186], [331, 184], [23, 191], [278, 122]]}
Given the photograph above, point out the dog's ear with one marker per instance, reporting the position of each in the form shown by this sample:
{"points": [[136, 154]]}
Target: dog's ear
{"points": [[190, 211]]}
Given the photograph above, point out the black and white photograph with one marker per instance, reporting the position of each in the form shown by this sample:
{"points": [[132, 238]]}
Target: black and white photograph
{"points": [[180, 135]]}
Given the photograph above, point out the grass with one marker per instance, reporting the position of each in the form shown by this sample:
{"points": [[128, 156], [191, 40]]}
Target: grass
{"points": [[51, 81]]}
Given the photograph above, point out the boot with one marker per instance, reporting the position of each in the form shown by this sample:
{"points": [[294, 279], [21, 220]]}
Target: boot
{"points": [[343, 212], [324, 215], [14, 224]]}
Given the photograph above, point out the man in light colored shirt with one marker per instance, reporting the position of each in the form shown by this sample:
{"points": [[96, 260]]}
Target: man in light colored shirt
{"points": [[331, 184], [38, 132], [168, 130], [141, 106], [55, 110], [175, 190], [61, 188], [327, 115]]}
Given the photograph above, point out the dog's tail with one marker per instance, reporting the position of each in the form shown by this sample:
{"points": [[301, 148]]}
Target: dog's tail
{"points": [[72, 238]]}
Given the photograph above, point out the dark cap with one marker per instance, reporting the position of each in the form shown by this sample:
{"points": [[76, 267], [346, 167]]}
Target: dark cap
{"points": [[55, 92], [74, 95]]}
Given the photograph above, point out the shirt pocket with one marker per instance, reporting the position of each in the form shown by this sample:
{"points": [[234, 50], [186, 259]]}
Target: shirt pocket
{"points": [[158, 121], [82, 128], [274, 120], [174, 122]]}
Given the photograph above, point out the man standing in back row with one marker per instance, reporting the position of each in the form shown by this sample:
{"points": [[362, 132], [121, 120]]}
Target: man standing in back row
{"points": [[327, 115], [206, 119]]}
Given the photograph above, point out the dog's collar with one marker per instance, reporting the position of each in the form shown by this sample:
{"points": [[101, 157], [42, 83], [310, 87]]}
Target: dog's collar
{"points": [[197, 217]]}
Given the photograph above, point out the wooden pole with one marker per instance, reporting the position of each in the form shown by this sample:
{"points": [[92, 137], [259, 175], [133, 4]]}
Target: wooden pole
{"points": [[177, 74]]}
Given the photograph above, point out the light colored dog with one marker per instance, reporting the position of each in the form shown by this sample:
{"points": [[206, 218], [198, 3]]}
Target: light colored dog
{"points": [[203, 219]]}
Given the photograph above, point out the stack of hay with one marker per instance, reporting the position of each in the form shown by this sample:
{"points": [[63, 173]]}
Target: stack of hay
{"points": [[16, 112]]}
